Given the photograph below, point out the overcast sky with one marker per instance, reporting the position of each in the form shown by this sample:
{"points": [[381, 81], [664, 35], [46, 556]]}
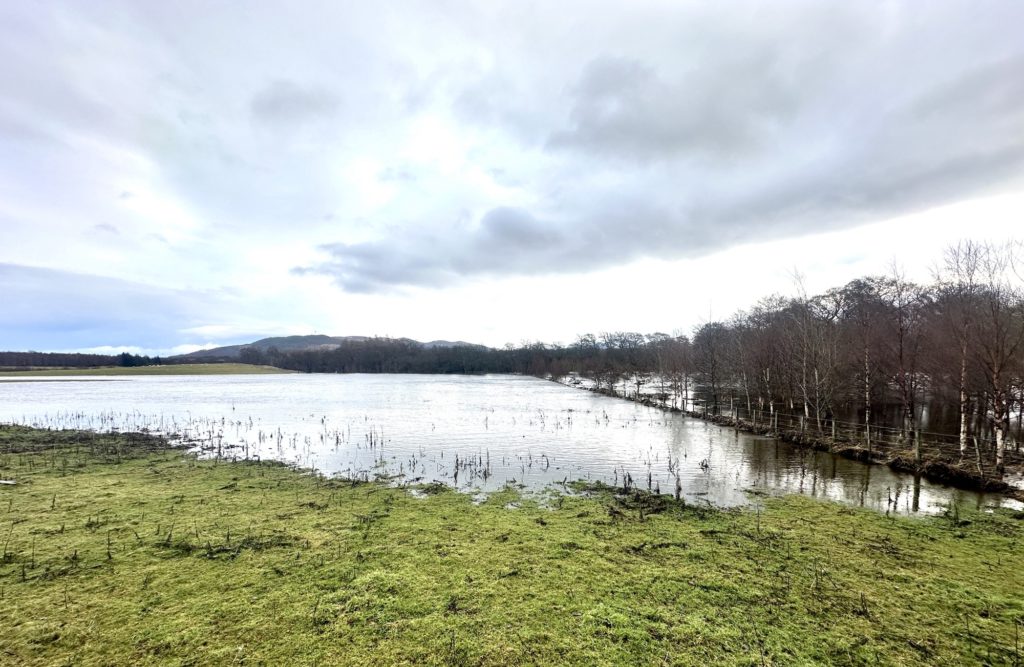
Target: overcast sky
{"points": [[184, 174]]}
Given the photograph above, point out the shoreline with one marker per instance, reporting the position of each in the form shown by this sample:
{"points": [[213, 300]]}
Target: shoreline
{"points": [[935, 470], [119, 549]]}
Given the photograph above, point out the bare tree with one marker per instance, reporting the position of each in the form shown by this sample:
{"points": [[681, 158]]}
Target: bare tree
{"points": [[680, 368], [766, 324], [958, 284], [999, 334], [817, 344], [709, 347], [863, 310], [906, 302]]}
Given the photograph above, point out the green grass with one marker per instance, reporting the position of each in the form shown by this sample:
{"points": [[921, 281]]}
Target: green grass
{"points": [[175, 369], [118, 552]]}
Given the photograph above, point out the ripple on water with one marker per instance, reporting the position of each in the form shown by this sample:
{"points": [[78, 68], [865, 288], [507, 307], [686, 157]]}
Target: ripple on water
{"points": [[475, 433]]}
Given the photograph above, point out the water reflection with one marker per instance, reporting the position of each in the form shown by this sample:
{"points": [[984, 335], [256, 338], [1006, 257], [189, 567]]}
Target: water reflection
{"points": [[469, 432]]}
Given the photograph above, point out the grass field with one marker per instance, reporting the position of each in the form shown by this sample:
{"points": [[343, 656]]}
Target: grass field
{"points": [[175, 369], [116, 550]]}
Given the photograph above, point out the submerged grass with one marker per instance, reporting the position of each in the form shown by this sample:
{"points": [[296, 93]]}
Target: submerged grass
{"points": [[118, 552], [171, 369]]}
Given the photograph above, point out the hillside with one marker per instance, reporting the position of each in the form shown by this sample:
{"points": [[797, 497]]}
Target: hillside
{"points": [[300, 343]]}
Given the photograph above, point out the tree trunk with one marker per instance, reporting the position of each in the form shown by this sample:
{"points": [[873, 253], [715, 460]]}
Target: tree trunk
{"points": [[746, 389], [963, 401], [867, 397], [817, 400], [999, 424], [1020, 417]]}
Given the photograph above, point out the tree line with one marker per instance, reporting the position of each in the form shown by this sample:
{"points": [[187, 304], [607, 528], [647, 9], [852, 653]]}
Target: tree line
{"points": [[26, 360], [957, 343], [875, 347], [876, 344]]}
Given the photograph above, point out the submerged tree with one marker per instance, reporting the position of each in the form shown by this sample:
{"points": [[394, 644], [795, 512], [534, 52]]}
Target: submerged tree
{"points": [[999, 336], [958, 291]]}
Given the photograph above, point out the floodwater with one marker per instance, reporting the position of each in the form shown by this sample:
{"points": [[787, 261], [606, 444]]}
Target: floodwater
{"points": [[470, 432]]}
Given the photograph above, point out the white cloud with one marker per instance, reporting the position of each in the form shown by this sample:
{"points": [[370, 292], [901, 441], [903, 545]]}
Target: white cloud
{"points": [[513, 172]]}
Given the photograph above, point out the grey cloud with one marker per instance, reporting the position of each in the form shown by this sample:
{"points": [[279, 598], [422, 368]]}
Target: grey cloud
{"points": [[813, 127], [931, 148], [510, 241], [516, 230], [626, 108], [364, 268], [991, 89], [500, 142], [960, 136], [497, 100], [288, 102]]}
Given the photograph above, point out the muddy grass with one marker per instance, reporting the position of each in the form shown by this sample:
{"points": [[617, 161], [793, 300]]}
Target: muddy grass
{"points": [[116, 552]]}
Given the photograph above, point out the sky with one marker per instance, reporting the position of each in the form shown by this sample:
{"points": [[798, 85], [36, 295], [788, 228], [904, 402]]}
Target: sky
{"points": [[178, 175]]}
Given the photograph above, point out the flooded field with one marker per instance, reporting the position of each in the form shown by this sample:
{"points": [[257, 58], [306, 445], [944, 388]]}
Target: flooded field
{"points": [[476, 433]]}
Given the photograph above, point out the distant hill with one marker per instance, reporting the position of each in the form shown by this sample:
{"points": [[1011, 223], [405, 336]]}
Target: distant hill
{"points": [[311, 342], [449, 343]]}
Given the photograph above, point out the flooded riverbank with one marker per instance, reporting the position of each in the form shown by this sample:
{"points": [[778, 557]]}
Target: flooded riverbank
{"points": [[469, 432]]}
